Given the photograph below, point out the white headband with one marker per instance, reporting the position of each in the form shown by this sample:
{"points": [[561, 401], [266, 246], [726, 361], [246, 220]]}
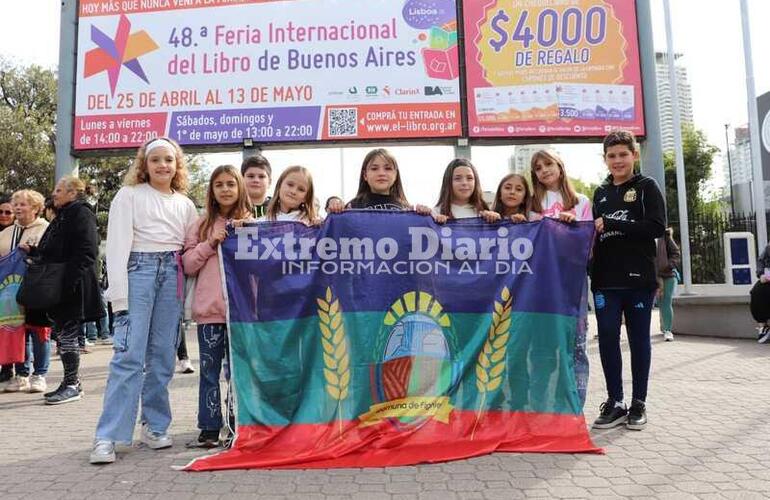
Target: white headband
{"points": [[157, 143]]}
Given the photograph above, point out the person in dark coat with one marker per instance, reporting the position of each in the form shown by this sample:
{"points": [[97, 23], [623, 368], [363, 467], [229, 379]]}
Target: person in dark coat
{"points": [[72, 238]]}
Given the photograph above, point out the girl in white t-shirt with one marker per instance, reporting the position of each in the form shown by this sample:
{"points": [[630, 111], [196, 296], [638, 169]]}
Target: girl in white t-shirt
{"points": [[293, 200], [145, 234], [553, 195], [460, 196]]}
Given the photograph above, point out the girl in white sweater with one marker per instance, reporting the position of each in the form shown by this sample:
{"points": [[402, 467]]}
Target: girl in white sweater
{"points": [[145, 233]]}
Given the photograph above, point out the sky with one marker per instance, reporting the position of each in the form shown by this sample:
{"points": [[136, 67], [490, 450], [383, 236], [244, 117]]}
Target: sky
{"points": [[707, 32]]}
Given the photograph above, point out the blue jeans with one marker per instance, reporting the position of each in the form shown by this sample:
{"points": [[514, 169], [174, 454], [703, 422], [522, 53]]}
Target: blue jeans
{"points": [[144, 346], [38, 356], [98, 329], [636, 306], [213, 349]]}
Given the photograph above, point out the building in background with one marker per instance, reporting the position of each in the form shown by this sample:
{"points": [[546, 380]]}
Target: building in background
{"points": [[738, 169], [519, 162], [664, 98]]}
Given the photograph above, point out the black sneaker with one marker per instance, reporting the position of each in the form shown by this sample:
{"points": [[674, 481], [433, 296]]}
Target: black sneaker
{"points": [[68, 394], [764, 334], [60, 388], [610, 415], [637, 416], [206, 439]]}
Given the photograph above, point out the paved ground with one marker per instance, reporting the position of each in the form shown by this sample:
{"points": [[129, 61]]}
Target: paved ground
{"points": [[708, 437]]}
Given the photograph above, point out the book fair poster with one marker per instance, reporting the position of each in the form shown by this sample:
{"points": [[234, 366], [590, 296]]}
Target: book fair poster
{"points": [[218, 72], [555, 68]]}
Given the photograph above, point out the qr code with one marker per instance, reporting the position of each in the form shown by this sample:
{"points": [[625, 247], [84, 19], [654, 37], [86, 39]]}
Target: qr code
{"points": [[343, 122]]}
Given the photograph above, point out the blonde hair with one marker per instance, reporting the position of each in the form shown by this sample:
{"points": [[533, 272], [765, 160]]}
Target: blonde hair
{"points": [[35, 199], [137, 173], [568, 194], [307, 208]]}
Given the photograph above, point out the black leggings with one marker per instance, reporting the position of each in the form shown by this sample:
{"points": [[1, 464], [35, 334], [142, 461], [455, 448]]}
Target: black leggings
{"points": [[69, 332]]}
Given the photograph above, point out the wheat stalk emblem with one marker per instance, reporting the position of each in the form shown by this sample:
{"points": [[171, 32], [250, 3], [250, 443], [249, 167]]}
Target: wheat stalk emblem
{"points": [[491, 361], [335, 350]]}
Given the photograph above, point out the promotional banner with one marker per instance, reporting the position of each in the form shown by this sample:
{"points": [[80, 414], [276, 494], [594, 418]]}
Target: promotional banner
{"points": [[383, 339], [552, 68], [12, 334], [216, 72]]}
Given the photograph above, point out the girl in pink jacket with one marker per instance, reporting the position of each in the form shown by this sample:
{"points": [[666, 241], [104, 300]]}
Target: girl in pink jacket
{"points": [[226, 200]]}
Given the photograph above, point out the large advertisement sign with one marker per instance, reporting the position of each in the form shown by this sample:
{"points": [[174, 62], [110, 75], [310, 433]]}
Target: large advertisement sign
{"points": [[565, 68], [215, 72]]}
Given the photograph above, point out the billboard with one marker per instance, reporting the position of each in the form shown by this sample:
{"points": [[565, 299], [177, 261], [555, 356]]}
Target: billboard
{"points": [[217, 72], [545, 68]]}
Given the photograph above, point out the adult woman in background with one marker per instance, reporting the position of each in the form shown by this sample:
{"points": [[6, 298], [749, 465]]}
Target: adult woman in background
{"points": [[6, 212], [72, 238], [6, 219], [668, 258], [25, 232]]}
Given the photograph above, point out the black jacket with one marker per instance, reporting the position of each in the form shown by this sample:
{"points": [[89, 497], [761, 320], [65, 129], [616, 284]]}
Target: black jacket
{"points": [[634, 215], [72, 238]]}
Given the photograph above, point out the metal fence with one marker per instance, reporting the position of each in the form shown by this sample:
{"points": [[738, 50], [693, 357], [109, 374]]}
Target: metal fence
{"points": [[707, 251]]}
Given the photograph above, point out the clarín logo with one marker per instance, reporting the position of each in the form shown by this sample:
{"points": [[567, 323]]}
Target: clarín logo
{"points": [[111, 54]]}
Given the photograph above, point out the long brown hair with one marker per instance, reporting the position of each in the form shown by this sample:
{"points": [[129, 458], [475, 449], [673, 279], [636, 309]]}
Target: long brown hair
{"points": [[364, 191], [137, 173], [445, 195], [498, 205], [568, 194], [307, 207], [240, 210]]}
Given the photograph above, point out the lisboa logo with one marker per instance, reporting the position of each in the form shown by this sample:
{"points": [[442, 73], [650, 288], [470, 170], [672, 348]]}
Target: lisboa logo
{"points": [[416, 369]]}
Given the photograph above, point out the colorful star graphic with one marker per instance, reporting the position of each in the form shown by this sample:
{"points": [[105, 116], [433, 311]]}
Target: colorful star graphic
{"points": [[112, 54]]}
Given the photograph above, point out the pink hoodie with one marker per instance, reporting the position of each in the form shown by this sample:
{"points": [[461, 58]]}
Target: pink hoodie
{"points": [[201, 260]]}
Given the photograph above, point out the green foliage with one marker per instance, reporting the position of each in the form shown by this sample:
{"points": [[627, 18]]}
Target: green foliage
{"points": [[586, 188], [27, 127], [28, 141], [698, 158]]}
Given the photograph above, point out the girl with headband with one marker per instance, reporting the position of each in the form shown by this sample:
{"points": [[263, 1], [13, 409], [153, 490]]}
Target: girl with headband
{"points": [[145, 233]]}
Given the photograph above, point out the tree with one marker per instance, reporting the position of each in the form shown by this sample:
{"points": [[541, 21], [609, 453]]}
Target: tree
{"points": [[586, 188], [698, 158], [27, 127], [106, 174]]}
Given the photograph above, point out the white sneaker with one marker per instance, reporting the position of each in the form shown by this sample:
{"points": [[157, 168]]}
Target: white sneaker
{"points": [[90, 343], [103, 452], [155, 440], [668, 336], [37, 383], [184, 366], [18, 384], [764, 334]]}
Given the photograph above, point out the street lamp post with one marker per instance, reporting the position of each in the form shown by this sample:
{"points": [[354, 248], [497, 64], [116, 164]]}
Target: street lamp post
{"points": [[729, 170]]}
